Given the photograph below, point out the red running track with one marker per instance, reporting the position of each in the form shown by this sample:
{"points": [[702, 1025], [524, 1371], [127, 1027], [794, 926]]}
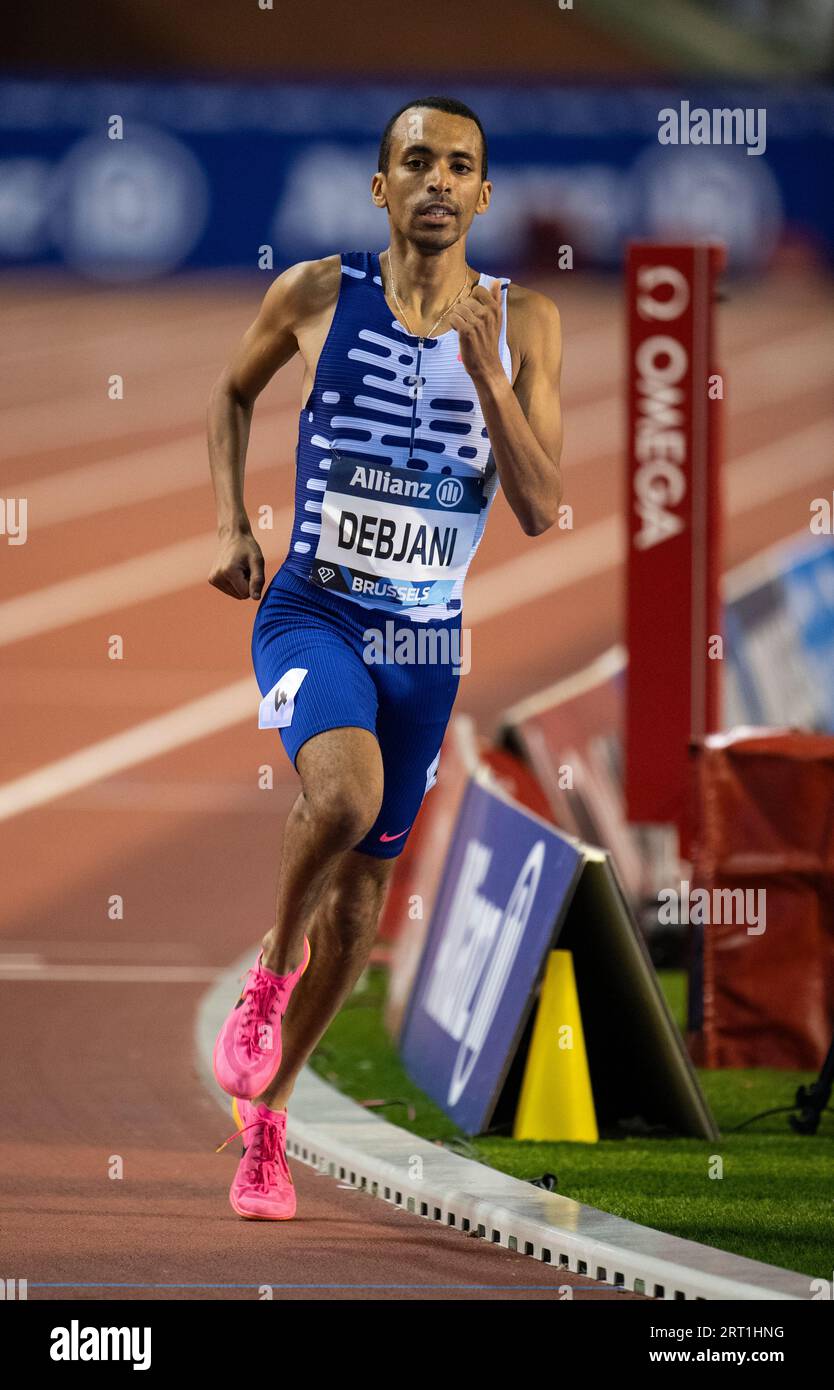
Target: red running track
{"points": [[104, 794]]}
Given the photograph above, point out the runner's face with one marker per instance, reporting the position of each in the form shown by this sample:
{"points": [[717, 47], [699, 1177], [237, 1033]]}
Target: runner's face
{"points": [[435, 158]]}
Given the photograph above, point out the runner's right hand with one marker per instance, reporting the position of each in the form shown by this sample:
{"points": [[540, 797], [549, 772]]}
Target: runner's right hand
{"points": [[239, 566]]}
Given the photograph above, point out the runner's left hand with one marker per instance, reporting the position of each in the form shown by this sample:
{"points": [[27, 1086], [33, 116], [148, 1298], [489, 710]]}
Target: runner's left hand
{"points": [[478, 323]]}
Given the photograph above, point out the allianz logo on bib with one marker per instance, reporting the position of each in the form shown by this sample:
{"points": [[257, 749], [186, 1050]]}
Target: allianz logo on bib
{"points": [[379, 480], [476, 956], [448, 491]]}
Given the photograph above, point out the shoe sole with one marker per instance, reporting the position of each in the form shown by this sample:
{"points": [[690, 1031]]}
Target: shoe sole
{"points": [[237, 1088], [248, 1216]]}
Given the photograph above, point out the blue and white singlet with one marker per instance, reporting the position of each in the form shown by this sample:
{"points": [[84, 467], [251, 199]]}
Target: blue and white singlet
{"points": [[394, 471]]}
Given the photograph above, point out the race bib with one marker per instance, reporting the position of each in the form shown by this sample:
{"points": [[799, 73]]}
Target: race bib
{"points": [[395, 537]]}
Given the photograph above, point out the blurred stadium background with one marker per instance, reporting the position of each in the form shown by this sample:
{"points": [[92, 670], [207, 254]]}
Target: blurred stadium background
{"points": [[249, 137]]}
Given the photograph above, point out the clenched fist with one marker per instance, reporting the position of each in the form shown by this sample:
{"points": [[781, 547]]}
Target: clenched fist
{"points": [[478, 323], [239, 566]]}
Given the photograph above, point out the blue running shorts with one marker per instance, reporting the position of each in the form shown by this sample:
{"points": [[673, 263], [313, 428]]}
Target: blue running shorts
{"points": [[406, 704]]}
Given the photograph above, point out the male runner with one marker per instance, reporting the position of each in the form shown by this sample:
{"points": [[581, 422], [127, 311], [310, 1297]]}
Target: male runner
{"points": [[425, 385]]}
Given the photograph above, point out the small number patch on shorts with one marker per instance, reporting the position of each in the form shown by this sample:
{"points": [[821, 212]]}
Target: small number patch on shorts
{"points": [[278, 705], [431, 772]]}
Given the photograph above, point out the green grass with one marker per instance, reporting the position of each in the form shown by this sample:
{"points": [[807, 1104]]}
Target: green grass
{"points": [[774, 1202]]}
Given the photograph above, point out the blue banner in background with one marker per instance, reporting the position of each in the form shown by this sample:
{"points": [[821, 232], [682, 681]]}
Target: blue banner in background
{"points": [[208, 173], [507, 880], [780, 639], [808, 582]]}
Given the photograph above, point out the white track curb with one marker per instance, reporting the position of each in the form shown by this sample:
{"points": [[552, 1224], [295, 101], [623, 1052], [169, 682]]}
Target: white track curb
{"points": [[333, 1134]]}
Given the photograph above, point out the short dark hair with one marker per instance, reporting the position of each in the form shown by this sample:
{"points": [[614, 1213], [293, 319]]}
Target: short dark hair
{"points": [[447, 104]]}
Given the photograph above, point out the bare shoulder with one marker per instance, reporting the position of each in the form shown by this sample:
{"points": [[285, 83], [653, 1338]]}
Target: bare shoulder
{"points": [[531, 310], [316, 283], [304, 291], [534, 332]]}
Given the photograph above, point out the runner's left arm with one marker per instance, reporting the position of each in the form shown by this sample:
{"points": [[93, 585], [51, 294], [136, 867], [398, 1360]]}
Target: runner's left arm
{"points": [[523, 420]]}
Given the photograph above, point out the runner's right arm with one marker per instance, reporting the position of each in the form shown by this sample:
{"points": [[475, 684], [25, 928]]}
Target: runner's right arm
{"points": [[266, 346]]}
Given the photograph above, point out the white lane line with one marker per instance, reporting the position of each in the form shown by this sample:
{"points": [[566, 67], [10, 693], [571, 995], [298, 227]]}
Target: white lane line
{"points": [[779, 467], [114, 974], [141, 476], [555, 565], [113, 587], [108, 950], [559, 564], [163, 342], [184, 798], [785, 367], [199, 718], [796, 363], [752, 481], [28, 428], [803, 454], [586, 553]]}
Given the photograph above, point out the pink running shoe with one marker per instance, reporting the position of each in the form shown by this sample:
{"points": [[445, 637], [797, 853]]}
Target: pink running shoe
{"points": [[263, 1188], [247, 1053]]}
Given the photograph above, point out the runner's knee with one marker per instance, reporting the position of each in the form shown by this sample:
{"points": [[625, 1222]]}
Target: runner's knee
{"points": [[343, 812]]}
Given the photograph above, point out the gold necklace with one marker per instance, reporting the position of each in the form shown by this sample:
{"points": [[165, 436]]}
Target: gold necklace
{"points": [[422, 336]]}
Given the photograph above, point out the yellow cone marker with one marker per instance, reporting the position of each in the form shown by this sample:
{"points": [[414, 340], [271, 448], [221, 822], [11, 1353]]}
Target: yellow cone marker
{"points": [[556, 1100]]}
